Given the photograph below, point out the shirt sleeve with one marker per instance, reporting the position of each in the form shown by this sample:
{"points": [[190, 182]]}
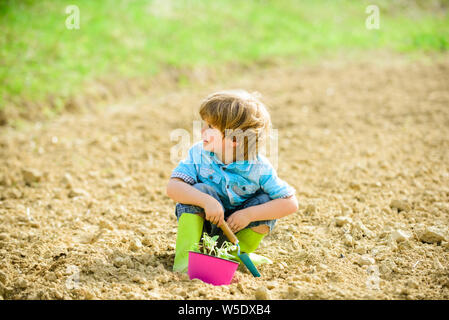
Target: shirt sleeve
{"points": [[187, 169], [274, 186]]}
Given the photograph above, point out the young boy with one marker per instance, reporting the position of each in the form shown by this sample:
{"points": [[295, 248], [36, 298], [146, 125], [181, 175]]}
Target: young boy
{"points": [[224, 178]]}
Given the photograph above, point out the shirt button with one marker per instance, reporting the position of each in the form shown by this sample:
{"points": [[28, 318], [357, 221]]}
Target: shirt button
{"points": [[227, 187], [223, 168], [210, 177]]}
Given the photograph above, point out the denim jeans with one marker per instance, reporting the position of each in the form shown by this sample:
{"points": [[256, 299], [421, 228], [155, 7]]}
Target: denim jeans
{"points": [[212, 229]]}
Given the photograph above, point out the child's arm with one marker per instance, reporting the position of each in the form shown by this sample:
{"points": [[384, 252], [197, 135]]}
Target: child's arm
{"points": [[274, 209], [284, 201], [184, 193]]}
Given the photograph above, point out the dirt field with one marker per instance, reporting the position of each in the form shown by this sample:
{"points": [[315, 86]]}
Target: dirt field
{"points": [[84, 215]]}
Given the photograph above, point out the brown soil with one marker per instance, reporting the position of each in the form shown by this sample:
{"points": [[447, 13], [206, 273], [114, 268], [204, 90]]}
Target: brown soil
{"points": [[366, 145]]}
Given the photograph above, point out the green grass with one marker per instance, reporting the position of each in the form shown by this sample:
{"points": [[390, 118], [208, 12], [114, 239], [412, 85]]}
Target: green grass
{"points": [[41, 59]]}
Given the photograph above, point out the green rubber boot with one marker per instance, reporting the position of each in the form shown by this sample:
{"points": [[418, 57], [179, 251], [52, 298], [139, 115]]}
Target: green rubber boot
{"points": [[249, 240], [190, 227]]}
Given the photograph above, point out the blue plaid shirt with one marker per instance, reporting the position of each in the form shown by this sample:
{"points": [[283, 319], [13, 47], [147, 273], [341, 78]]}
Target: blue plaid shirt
{"points": [[234, 182]]}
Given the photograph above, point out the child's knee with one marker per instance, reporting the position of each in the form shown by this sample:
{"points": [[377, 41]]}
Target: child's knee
{"points": [[262, 229], [203, 187]]}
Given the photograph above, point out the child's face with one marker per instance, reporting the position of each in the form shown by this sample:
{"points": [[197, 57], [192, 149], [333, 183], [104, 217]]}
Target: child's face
{"points": [[213, 140]]}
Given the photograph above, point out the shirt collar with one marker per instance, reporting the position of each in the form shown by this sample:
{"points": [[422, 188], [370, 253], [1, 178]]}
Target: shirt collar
{"points": [[229, 165]]}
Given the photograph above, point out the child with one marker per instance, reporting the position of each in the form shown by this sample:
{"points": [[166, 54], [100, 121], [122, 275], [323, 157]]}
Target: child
{"points": [[224, 178]]}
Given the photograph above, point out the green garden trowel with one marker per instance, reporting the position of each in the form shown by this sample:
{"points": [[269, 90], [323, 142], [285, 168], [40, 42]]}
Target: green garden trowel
{"points": [[243, 256]]}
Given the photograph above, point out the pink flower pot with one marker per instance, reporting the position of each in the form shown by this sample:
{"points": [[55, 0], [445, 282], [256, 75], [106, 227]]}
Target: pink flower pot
{"points": [[213, 270]]}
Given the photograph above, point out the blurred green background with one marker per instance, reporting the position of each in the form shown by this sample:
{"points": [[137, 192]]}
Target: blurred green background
{"points": [[43, 64]]}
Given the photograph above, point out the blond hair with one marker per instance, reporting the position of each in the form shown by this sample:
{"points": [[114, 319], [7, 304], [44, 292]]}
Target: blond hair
{"points": [[238, 115]]}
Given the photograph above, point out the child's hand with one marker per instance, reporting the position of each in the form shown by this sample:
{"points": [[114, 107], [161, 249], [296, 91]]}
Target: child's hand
{"points": [[238, 220], [214, 211]]}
